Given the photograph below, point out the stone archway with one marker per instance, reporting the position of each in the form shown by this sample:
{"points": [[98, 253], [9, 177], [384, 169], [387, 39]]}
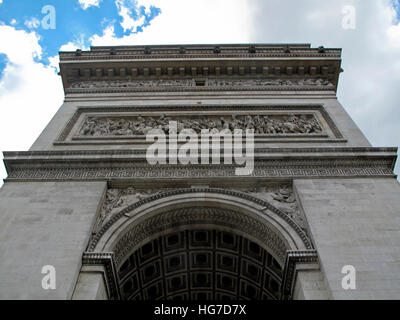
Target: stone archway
{"points": [[122, 244]]}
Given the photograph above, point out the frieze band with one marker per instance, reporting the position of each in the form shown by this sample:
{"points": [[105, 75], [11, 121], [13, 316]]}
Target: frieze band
{"points": [[261, 124], [238, 84], [96, 173]]}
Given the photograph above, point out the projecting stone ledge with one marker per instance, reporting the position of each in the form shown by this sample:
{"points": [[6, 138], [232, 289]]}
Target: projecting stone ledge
{"points": [[132, 164], [200, 68]]}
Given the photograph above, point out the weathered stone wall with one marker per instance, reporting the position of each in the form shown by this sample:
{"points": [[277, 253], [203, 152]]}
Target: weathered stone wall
{"points": [[91, 284], [44, 223], [355, 222]]}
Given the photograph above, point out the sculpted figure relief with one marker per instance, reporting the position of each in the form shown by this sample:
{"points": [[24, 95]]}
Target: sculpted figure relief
{"points": [[281, 197], [262, 124], [270, 82], [131, 84], [190, 83], [118, 198]]}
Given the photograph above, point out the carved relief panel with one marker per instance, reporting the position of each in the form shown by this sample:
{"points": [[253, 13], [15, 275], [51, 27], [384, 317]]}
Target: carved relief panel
{"points": [[272, 124], [210, 84], [131, 124]]}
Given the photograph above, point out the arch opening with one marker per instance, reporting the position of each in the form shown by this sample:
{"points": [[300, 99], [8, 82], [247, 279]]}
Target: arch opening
{"points": [[191, 272], [200, 264]]}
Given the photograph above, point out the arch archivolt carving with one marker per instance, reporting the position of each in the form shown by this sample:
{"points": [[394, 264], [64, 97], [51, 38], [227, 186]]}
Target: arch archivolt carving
{"points": [[234, 211]]}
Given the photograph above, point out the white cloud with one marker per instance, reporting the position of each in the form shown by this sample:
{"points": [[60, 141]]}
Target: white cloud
{"points": [[20, 47], [70, 46], [54, 62], [128, 23], [394, 35], [89, 3], [368, 89], [32, 23], [206, 21], [30, 93], [107, 37], [78, 43], [131, 13], [13, 21]]}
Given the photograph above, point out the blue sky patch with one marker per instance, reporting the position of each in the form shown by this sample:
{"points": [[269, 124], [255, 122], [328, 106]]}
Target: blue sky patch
{"points": [[3, 63], [72, 22], [396, 4]]}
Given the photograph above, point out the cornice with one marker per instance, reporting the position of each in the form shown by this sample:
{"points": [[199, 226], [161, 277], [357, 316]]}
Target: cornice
{"points": [[185, 62], [65, 154], [105, 56], [131, 164], [195, 51]]}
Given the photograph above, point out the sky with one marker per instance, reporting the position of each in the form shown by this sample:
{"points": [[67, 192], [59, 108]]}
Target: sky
{"points": [[33, 32]]}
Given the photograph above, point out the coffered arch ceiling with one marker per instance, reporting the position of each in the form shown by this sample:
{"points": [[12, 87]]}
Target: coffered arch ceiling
{"points": [[200, 264]]}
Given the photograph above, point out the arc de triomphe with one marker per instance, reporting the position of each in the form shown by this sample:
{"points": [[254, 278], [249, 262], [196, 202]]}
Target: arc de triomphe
{"points": [[85, 200]]}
